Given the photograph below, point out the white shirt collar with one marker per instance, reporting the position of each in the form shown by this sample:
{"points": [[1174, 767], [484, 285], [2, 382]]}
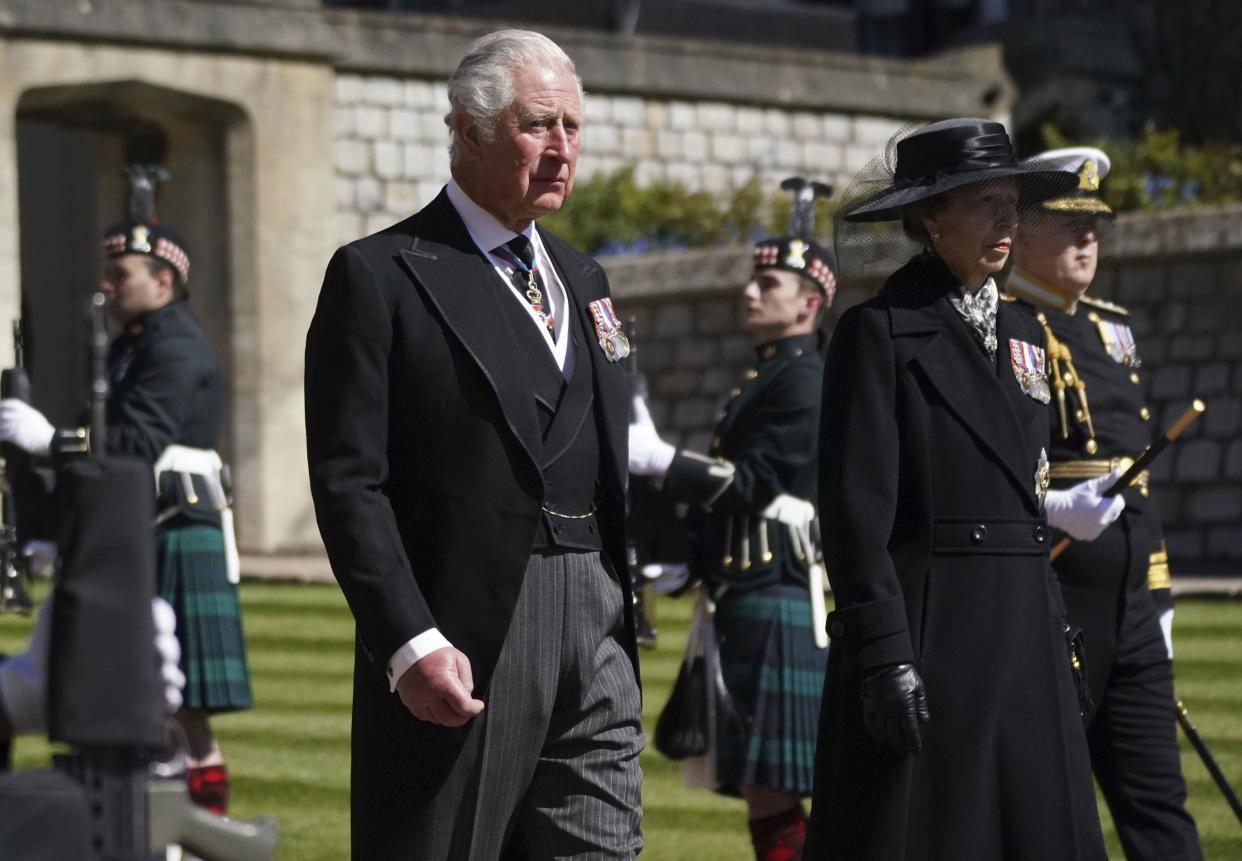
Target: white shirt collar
{"points": [[484, 229]]}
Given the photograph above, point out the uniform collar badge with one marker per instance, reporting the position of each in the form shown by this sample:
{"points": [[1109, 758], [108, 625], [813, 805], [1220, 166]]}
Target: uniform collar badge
{"points": [[1030, 369], [608, 330]]}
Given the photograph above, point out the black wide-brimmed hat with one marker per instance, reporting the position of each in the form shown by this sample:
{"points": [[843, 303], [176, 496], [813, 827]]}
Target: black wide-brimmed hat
{"points": [[947, 155], [141, 232]]}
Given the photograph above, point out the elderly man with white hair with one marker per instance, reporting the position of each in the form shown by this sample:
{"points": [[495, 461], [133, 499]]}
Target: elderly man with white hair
{"points": [[466, 429]]}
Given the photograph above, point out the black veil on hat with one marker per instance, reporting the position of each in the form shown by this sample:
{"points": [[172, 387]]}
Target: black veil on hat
{"points": [[141, 232], [922, 162]]}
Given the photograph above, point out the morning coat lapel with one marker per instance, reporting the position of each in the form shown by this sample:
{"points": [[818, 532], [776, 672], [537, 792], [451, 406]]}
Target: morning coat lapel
{"points": [[960, 372], [583, 282], [445, 263]]}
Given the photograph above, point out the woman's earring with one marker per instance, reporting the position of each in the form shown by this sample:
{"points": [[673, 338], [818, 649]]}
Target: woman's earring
{"points": [[936, 235]]}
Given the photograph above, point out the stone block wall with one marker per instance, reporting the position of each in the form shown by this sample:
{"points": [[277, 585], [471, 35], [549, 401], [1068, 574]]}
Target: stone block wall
{"points": [[1180, 276], [391, 144]]}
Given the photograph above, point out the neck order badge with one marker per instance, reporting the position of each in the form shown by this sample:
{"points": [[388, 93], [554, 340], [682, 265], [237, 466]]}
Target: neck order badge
{"points": [[520, 254]]}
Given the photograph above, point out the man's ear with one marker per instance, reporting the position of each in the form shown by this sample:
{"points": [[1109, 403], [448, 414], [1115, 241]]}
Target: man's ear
{"points": [[467, 133], [168, 282], [814, 302]]}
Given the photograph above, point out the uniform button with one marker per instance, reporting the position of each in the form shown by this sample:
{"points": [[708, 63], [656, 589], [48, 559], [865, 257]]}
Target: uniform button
{"points": [[978, 534], [1091, 446], [722, 415], [751, 374], [1145, 414], [1134, 378], [735, 393], [1040, 535], [836, 628]]}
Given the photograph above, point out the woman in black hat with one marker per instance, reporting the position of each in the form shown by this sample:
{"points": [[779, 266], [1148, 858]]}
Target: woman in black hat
{"points": [[949, 726]]}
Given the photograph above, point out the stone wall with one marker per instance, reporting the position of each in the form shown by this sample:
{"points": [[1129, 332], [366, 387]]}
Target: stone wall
{"points": [[1179, 274], [392, 158]]}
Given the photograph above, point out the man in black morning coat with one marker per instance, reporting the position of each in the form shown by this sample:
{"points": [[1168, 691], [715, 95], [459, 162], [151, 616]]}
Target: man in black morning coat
{"points": [[466, 426]]}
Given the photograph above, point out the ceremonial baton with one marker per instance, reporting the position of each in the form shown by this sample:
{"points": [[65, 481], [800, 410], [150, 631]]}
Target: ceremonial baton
{"points": [[1209, 762], [1143, 461]]}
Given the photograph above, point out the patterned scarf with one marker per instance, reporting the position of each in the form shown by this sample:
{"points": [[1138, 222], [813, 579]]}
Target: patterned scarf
{"points": [[979, 311]]}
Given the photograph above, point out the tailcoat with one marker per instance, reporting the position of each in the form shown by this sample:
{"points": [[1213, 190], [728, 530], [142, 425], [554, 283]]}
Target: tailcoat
{"points": [[424, 441], [1115, 586], [936, 546]]}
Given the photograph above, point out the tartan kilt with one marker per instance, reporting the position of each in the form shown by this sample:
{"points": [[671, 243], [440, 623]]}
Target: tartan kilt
{"points": [[194, 580], [775, 676]]}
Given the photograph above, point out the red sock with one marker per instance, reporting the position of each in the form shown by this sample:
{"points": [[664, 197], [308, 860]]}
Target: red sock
{"points": [[209, 787], [779, 837]]}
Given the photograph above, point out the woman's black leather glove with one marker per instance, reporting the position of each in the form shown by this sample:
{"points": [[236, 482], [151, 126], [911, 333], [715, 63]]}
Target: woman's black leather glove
{"points": [[894, 703]]}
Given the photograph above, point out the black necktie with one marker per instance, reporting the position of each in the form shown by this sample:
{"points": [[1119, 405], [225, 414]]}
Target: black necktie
{"points": [[519, 252]]}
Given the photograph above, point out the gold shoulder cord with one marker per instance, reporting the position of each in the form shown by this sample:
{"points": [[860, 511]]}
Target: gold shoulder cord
{"points": [[1064, 374]]}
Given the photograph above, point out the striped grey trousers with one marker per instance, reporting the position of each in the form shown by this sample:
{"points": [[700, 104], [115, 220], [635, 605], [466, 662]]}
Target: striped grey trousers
{"points": [[550, 768]]}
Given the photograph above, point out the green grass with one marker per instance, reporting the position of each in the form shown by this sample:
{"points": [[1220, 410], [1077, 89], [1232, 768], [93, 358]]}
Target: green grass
{"points": [[289, 756]]}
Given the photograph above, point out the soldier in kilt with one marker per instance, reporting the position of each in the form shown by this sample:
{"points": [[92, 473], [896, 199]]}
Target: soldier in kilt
{"points": [[164, 408], [752, 544]]}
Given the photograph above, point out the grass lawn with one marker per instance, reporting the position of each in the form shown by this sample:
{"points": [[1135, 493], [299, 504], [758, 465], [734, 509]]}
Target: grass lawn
{"points": [[289, 756]]}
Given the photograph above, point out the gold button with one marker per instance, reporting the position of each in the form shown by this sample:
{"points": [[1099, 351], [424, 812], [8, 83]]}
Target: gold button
{"points": [[1093, 317], [1145, 414], [751, 374], [1069, 379], [1091, 447], [735, 393]]}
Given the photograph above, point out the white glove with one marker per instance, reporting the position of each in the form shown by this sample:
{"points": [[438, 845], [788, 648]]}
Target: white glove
{"points": [[169, 649], [790, 510], [25, 427], [649, 455], [1082, 512], [1166, 628], [41, 556]]}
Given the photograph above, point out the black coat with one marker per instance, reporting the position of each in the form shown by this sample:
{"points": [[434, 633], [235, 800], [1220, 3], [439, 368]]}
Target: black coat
{"points": [[768, 430], [423, 440], [936, 548], [165, 386], [1109, 588]]}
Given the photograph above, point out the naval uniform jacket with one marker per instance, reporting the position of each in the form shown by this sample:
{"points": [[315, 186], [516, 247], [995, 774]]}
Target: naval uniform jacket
{"points": [[936, 547], [165, 386], [424, 440], [1115, 585], [768, 431]]}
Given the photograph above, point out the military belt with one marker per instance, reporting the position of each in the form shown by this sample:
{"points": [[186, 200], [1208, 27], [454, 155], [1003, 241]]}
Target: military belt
{"points": [[1078, 470], [1024, 537]]}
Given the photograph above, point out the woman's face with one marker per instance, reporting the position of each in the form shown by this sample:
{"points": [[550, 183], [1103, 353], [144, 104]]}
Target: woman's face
{"points": [[974, 231]]}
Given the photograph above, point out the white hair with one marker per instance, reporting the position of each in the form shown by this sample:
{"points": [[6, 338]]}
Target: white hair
{"points": [[482, 84]]}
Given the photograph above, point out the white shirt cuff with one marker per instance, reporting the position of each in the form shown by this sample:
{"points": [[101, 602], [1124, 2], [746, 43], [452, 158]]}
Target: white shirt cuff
{"points": [[412, 652]]}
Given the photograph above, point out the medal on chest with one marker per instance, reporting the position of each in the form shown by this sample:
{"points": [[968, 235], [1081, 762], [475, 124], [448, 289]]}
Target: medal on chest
{"points": [[1030, 369], [1118, 340], [608, 330], [1043, 477]]}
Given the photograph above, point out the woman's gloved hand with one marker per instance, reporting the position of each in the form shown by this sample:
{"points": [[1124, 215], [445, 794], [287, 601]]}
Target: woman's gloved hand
{"points": [[894, 704]]}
